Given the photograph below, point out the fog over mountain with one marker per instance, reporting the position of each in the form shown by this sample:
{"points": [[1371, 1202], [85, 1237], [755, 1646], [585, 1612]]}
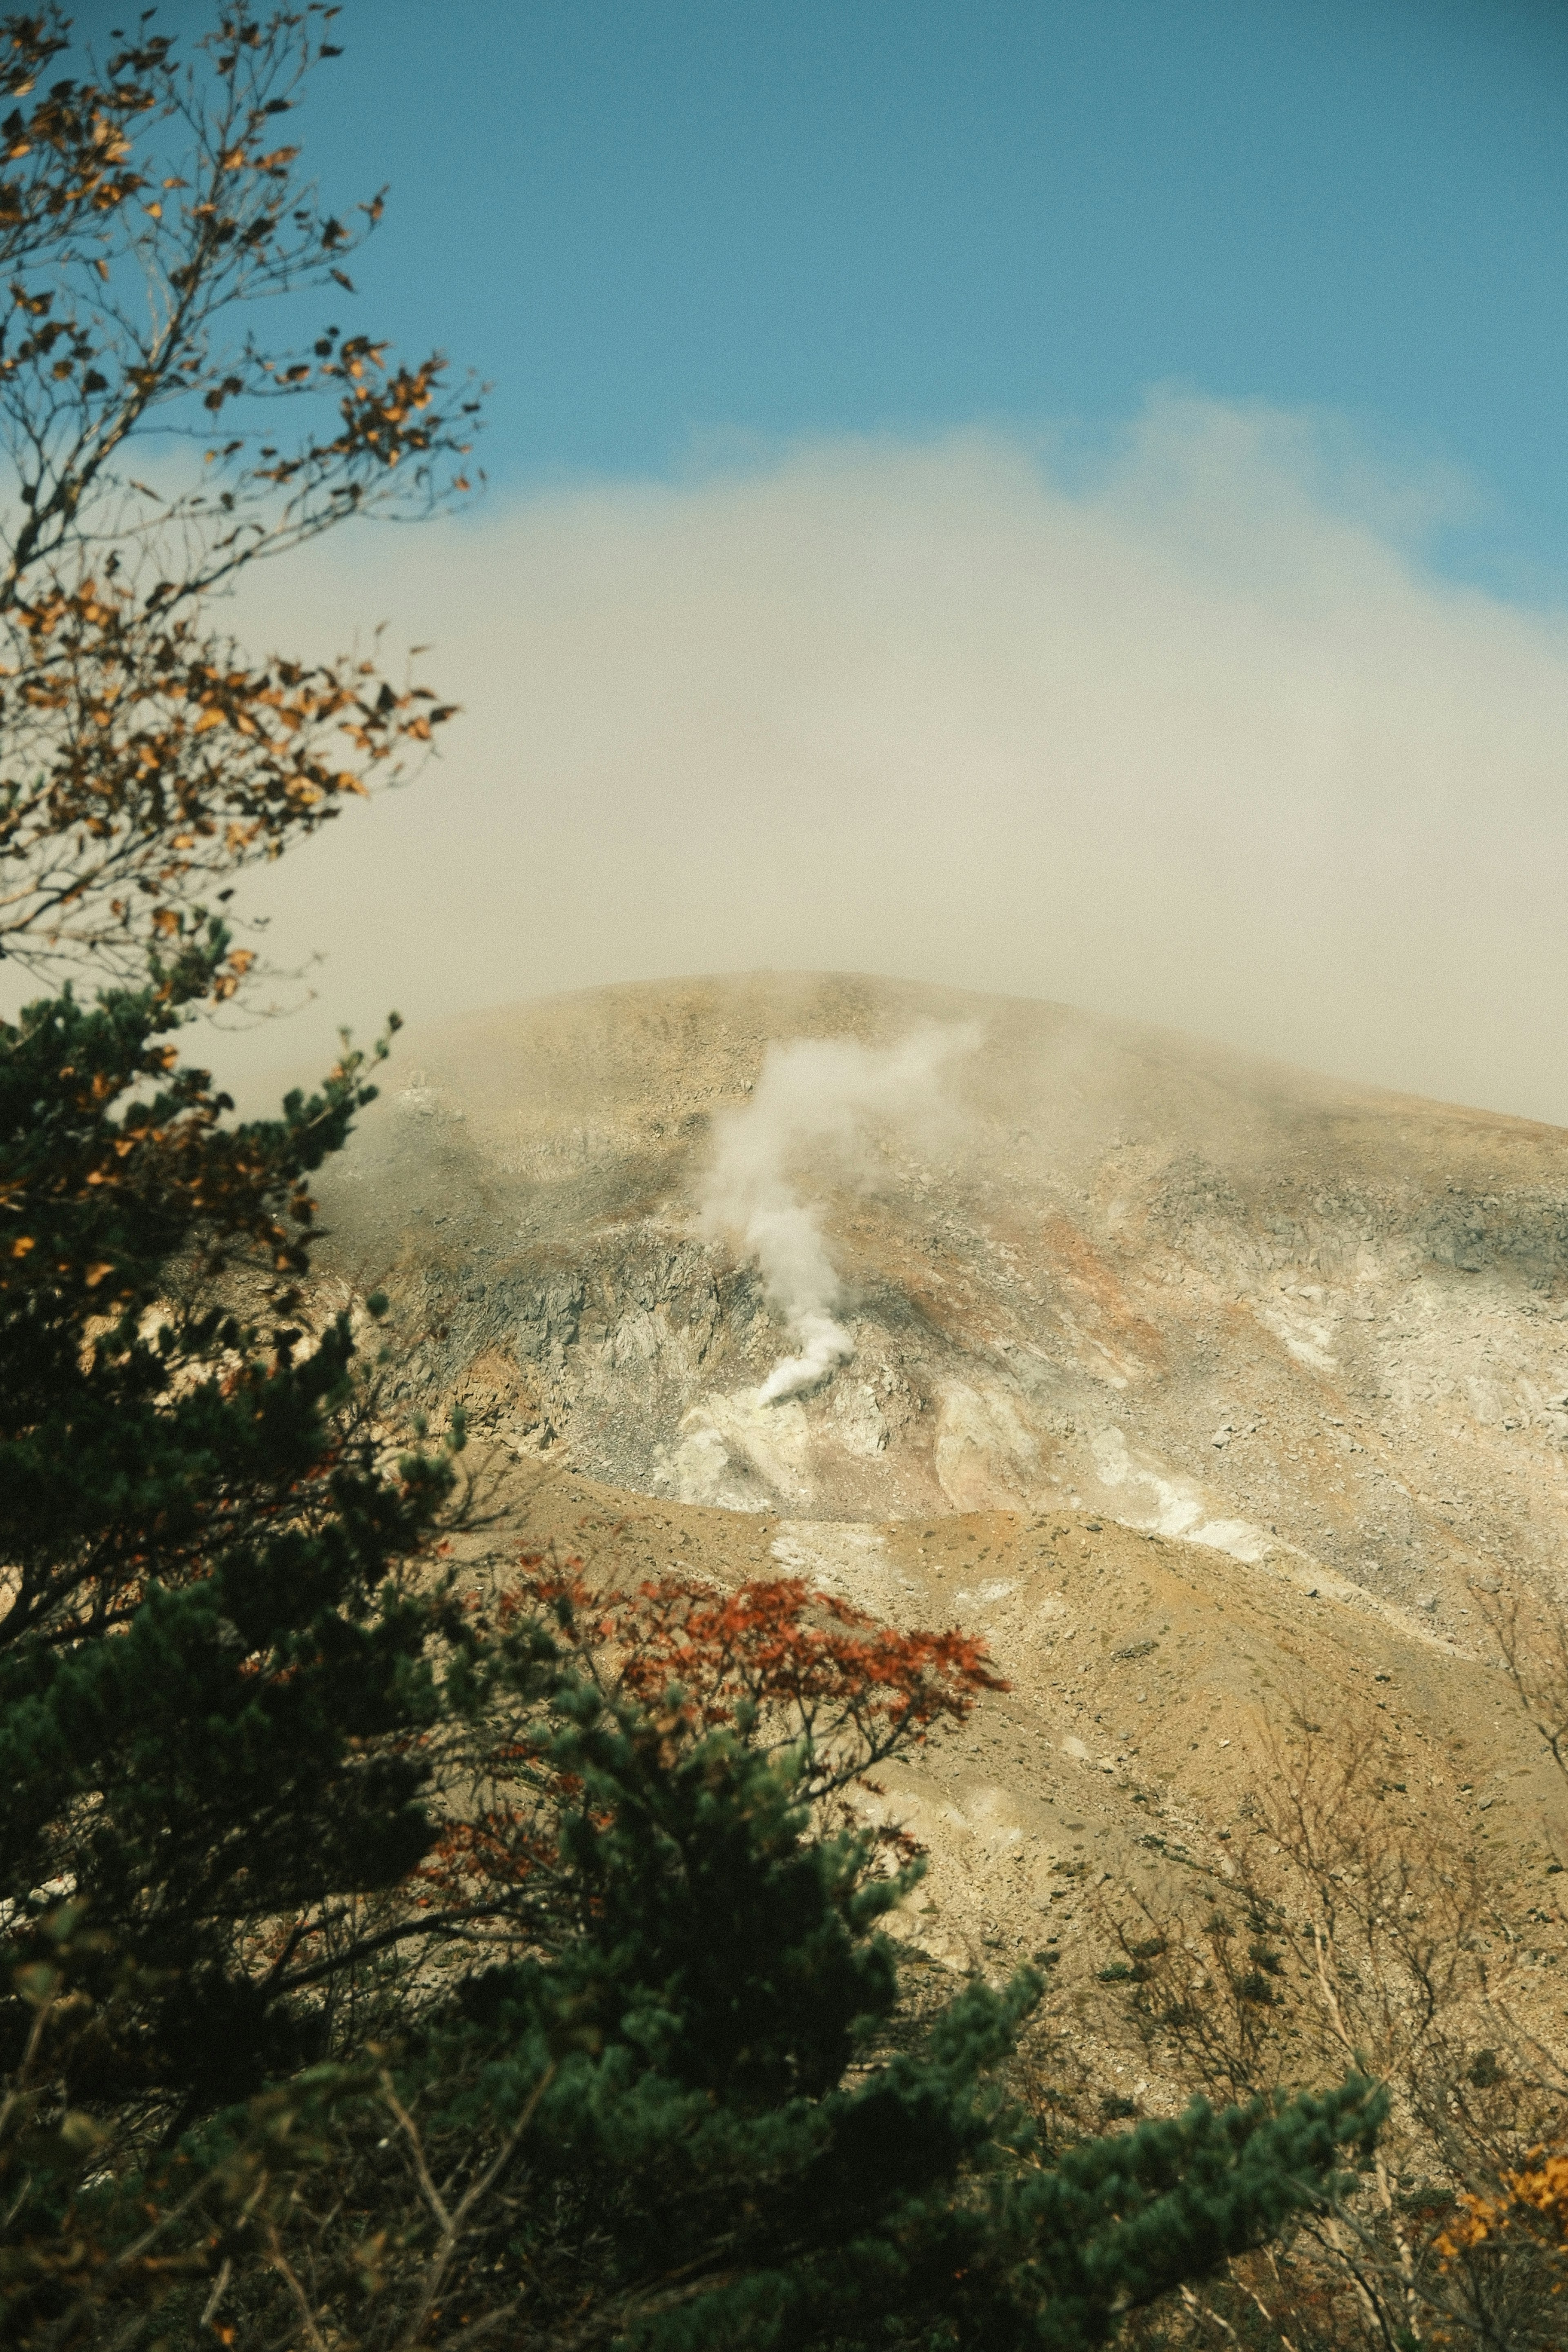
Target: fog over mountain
{"points": [[1188, 729], [1212, 1390]]}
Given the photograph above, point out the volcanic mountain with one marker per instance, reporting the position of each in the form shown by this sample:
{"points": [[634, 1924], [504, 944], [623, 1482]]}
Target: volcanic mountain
{"points": [[1211, 1389], [1282, 1318]]}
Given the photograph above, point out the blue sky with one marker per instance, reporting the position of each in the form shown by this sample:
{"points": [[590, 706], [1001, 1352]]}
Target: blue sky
{"points": [[665, 229]]}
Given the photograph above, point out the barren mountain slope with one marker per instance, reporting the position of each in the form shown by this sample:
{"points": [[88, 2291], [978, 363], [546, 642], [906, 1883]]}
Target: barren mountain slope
{"points": [[1302, 1324], [1153, 1684]]}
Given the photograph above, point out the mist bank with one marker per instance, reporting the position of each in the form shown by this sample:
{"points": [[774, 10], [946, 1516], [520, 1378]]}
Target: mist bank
{"points": [[1193, 734]]}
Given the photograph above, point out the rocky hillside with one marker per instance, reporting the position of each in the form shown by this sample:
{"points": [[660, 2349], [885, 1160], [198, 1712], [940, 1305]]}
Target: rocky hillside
{"points": [[1311, 1326]]}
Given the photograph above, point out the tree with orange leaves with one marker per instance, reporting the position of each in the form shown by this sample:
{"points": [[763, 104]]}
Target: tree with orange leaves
{"points": [[215, 1599], [147, 205], [787, 1672]]}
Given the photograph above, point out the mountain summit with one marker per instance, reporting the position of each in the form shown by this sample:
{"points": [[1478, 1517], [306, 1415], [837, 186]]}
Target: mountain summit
{"points": [[1089, 1266]]}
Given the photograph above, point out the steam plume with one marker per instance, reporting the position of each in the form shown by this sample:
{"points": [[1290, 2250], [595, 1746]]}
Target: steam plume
{"points": [[816, 1103]]}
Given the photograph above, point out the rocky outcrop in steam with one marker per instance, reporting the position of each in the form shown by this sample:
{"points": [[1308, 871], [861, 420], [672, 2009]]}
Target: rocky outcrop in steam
{"points": [[820, 1110]]}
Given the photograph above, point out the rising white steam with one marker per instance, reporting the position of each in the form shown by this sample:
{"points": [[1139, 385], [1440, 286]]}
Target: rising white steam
{"points": [[816, 1107]]}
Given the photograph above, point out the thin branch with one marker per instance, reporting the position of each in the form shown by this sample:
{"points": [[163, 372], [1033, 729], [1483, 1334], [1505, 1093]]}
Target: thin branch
{"points": [[280, 2263], [220, 2288], [451, 2224]]}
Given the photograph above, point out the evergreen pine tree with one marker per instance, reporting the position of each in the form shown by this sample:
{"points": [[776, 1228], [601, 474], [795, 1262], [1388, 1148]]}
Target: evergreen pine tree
{"points": [[686, 2107]]}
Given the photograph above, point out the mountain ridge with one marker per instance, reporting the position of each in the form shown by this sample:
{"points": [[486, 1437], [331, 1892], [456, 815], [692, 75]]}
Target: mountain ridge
{"points": [[1206, 1295]]}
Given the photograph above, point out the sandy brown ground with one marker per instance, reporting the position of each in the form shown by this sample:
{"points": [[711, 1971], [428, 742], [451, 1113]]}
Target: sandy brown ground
{"points": [[1151, 1682]]}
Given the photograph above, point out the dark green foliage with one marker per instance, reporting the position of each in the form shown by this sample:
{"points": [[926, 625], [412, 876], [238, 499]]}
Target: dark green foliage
{"points": [[687, 2126], [209, 1649]]}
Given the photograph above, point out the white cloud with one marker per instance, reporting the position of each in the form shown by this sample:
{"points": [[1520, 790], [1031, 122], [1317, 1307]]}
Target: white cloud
{"points": [[1198, 739]]}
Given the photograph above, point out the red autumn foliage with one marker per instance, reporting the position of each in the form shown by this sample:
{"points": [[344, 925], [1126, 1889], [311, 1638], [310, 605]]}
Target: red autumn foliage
{"points": [[792, 1662], [499, 1847], [774, 1662]]}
